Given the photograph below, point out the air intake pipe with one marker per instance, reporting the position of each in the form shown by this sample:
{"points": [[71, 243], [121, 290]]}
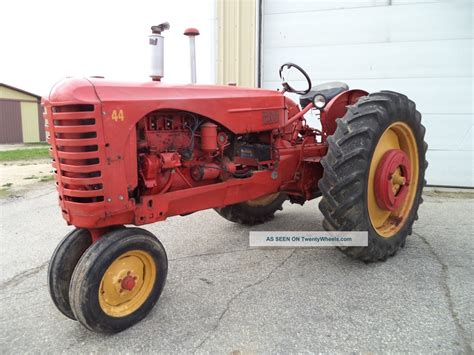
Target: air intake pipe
{"points": [[192, 33]]}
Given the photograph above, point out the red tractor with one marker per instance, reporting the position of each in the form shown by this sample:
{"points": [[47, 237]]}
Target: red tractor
{"points": [[132, 154]]}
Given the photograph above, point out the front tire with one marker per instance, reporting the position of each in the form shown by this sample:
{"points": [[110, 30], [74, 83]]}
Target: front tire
{"points": [[118, 280], [61, 267], [374, 173]]}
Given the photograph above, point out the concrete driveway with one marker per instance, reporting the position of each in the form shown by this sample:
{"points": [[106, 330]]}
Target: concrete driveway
{"points": [[223, 297]]}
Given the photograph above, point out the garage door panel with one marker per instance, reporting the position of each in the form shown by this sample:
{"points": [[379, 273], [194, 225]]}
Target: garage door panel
{"points": [[285, 6], [10, 122], [410, 2], [432, 95], [442, 127], [415, 22], [449, 58], [421, 48], [453, 168]]}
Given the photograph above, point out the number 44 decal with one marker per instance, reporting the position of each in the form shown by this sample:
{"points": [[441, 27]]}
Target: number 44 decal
{"points": [[117, 115]]}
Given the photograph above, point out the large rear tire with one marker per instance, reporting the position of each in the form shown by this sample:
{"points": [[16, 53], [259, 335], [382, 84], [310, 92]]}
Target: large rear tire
{"points": [[254, 212], [374, 173]]}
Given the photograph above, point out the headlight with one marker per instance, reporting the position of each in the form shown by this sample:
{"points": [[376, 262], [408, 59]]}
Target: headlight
{"points": [[319, 101]]}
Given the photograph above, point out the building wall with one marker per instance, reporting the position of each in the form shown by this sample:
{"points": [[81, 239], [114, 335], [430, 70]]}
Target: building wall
{"points": [[419, 48], [26, 120], [29, 122], [237, 51]]}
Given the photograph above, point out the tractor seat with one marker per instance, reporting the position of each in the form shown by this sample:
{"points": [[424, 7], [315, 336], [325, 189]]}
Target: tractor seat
{"points": [[329, 90]]}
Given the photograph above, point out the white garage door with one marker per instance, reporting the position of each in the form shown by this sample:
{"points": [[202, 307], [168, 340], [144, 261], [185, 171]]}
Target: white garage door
{"points": [[421, 49]]}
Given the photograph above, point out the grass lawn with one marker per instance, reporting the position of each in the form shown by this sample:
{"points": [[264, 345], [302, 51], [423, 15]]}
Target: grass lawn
{"points": [[24, 154]]}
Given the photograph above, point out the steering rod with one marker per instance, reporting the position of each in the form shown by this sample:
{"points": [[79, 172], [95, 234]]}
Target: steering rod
{"points": [[300, 114]]}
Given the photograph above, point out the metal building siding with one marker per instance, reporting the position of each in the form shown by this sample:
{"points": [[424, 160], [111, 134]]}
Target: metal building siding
{"points": [[29, 122], [422, 49], [236, 42], [42, 132], [10, 122]]}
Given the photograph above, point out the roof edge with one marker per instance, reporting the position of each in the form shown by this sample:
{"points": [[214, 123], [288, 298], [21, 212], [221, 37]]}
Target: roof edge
{"points": [[20, 90]]}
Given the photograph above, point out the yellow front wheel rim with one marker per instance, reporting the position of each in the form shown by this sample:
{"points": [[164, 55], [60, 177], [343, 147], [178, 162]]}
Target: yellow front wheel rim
{"points": [[127, 283], [398, 136]]}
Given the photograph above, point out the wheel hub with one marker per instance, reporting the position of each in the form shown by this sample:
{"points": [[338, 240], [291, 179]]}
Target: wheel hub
{"points": [[128, 283], [392, 179]]}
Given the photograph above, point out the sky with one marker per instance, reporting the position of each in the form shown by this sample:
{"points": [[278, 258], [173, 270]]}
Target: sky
{"points": [[42, 42]]}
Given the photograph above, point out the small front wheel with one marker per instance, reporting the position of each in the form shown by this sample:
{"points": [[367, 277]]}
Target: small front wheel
{"points": [[118, 280], [62, 265]]}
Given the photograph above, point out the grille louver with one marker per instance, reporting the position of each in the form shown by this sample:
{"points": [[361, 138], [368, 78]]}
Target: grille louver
{"points": [[75, 137]]}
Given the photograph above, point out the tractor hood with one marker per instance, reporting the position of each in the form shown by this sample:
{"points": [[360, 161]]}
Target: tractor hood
{"points": [[239, 109]]}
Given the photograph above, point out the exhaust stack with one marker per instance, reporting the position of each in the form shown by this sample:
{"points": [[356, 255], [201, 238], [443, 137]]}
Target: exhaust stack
{"points": [[192, 33], [156, 41]]}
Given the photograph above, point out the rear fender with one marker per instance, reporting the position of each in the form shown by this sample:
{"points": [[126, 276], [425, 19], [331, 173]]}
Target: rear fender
{"points": [[337, 108]]}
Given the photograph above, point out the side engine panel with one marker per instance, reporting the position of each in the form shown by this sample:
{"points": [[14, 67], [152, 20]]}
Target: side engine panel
{"points": [[179, 150]]}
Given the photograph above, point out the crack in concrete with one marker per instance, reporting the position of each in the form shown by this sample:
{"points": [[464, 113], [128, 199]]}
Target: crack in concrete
{"points": [[238, 294], [22, 276], [466, 344], [14, 295], [210, 254]]}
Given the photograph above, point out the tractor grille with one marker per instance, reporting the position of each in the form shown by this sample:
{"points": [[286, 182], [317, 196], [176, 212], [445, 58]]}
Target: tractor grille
{"points": [[75, 136]]}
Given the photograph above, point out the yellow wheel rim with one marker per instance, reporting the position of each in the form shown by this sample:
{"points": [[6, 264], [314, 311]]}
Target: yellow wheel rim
{"points": [[127, 283], [263, 201], [385, 222]]}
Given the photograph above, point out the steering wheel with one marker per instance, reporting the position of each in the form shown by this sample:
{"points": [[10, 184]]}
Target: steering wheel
{"points": [[287, 86]]}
